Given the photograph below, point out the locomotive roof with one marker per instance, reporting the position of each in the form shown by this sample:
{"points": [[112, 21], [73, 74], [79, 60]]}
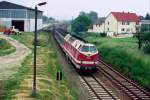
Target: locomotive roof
{"points": [[88, 44], [73, 41]]}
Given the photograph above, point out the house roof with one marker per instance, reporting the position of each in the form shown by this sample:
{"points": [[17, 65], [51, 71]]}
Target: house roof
{"points": [[9, 5], [99, 21], [126, 16]]}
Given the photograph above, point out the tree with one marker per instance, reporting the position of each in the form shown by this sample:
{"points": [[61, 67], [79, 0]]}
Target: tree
{"points": [[147, 17], [82, 13], [146, 41], [81, 24], [47, 19], [145, 28], [93, 16]]}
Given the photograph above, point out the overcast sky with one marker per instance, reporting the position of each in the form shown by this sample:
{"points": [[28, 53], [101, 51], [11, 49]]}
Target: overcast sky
{"points": [[65, 9]]}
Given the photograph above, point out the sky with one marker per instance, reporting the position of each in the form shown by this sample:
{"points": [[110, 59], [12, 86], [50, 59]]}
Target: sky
{"points": [[66, 9]]}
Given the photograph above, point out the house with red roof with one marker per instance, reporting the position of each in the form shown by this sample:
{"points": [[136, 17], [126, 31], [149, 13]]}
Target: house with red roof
{"points": [[122, 22], [118, 23]]}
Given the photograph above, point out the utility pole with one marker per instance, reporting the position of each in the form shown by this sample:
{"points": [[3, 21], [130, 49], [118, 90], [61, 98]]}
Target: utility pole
{"points": [[35, 49]]}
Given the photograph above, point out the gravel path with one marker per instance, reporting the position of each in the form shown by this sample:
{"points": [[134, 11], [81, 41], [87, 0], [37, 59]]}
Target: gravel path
{"points": [[10, 63]]}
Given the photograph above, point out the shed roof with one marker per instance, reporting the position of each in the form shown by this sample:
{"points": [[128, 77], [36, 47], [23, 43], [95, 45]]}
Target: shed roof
{"points": [[99, 21], [126, 16], [9, 5]]}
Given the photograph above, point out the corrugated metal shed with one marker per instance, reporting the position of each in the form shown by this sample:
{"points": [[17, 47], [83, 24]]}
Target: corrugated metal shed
{"points": [[9, 5]]}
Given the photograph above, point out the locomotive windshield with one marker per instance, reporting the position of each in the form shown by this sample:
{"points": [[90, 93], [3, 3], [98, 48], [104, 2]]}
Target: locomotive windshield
{"points": [[91, 49]]}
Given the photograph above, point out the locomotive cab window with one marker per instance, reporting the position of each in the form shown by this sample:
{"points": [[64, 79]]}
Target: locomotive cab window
{"points": [[93, 49], [85, 48]]}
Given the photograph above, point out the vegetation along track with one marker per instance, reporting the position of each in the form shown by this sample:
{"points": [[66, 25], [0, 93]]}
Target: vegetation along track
{"points": [[97, 89], [129, 87]]}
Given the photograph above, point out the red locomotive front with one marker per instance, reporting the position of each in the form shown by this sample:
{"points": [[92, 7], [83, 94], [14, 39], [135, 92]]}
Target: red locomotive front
{"points": [[83, 55]]}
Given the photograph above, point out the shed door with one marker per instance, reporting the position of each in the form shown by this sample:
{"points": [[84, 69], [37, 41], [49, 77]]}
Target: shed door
{"points": [[19, 24]]}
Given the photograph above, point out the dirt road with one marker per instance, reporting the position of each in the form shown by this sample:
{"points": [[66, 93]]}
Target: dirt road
{"points": [[10, 63]]}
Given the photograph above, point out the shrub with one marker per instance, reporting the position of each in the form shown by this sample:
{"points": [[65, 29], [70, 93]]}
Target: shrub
{"points": [[145, 36], [103, 34], [146, 48], [4, 44], [135, 35]]}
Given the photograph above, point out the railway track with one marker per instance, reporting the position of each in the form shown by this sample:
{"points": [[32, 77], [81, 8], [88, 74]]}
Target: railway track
{"points": [[97, 89], [100, 92], [129, 87]]}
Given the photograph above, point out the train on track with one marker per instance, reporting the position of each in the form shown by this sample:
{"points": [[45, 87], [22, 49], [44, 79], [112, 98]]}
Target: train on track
{"points": [[83, 55]]}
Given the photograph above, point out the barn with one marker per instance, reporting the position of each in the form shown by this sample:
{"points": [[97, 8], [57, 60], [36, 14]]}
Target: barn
{"points": [[19, 16]]}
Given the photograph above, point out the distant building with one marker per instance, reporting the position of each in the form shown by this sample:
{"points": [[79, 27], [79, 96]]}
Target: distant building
{"points": [[121, 22], [145, 22], [117, 23], [19, 16], [99, 25]]}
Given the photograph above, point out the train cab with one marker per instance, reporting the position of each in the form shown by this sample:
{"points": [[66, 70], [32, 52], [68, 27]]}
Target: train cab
{"points": [[88, 56]]}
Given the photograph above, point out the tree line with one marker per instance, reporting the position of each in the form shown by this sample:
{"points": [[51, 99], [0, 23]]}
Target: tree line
{"points": [[48, 19], [83, 21]]}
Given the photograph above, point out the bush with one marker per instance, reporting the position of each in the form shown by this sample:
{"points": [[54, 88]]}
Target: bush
{"points": [[103, 34], [145, 36], [4, 44], [146, 48]]}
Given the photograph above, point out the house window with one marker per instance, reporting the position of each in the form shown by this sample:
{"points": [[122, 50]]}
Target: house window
{"points": [[123, 23], [108, 23], [137, 23], [128, 30], [128, 23], [122, 29]]}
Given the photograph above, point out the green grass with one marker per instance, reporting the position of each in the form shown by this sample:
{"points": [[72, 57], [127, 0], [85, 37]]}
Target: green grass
{"points": [[6, 48], [124, 55], [47, 86]]}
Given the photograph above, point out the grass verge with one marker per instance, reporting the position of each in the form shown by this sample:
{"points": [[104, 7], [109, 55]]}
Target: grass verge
{"points": [[6, 48], [124, 55], [19, 86]]}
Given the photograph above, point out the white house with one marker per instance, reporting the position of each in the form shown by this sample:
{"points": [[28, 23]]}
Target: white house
{"points": [[19, 16], [99, 25], [121, 22], [117, 23]]}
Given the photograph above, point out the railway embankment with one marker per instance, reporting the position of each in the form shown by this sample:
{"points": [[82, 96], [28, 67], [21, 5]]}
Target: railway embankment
{"points": [[124, 55]]}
